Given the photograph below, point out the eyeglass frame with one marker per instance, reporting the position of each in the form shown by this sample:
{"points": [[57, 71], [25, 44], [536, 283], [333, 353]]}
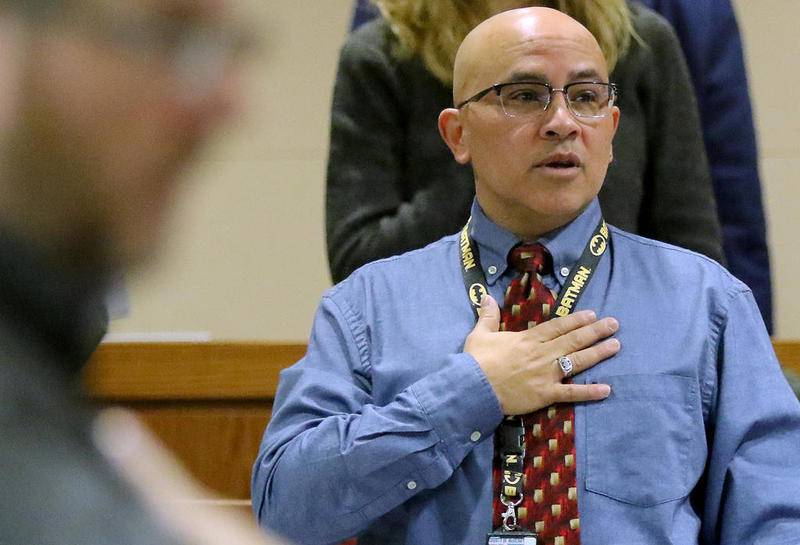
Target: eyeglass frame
{"points": [[613, 95], [197, 51]]}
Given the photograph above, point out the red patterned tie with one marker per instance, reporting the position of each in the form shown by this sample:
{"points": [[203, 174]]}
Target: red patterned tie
{"points": [[550, 503]]}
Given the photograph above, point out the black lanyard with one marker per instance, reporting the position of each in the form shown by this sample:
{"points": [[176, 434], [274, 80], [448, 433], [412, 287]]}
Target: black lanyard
{"points": [[511, 433], [582, 272]]}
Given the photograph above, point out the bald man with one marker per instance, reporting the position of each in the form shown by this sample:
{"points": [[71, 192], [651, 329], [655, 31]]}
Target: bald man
{"points": [[654, 410]]}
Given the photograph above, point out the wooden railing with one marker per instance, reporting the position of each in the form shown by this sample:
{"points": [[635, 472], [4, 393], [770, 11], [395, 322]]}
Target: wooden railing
{"points": [[210, 402]]}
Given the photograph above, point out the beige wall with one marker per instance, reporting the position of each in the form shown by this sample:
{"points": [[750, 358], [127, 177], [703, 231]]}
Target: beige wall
{"points": [[246, 259], [769, 29]]}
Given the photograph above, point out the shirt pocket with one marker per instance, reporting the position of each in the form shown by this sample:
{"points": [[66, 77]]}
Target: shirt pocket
{"points": [[645, 443]]}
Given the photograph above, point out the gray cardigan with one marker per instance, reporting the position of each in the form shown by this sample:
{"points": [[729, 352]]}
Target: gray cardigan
{"points": [[392, 184]]}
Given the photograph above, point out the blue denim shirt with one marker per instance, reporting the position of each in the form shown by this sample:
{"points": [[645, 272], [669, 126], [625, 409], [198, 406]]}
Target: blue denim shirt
{"points": [[384, 428]]}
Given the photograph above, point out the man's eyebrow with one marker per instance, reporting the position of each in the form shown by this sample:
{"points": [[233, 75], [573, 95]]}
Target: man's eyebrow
{"points": [[583, 74], [526, 76], [586, 73]]}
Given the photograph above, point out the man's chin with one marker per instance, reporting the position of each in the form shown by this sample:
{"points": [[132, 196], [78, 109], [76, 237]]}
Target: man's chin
{"points": [[556, 214]]}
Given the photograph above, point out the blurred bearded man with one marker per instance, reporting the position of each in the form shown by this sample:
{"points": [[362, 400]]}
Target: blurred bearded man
{"points": [[102, 105]]}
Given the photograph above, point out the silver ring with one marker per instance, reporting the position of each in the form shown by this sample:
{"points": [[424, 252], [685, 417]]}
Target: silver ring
{"points": [[566, 365]]}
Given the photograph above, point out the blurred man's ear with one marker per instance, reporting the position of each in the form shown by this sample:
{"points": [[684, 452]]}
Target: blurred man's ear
{"points": [[452, 130]]}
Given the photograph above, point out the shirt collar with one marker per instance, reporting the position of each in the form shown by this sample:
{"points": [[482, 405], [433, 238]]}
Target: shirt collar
{"points": [[565, 244], [494, 243]]}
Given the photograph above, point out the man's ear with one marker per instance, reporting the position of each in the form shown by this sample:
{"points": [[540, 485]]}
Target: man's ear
{"points": [[615, 113], [452, 130]]}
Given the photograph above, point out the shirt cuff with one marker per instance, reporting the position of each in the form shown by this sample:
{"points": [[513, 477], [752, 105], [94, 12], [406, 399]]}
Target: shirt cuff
{"points": [[460, 404]]}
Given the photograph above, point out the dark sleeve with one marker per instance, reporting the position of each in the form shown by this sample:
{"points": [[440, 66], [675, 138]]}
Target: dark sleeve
{"points": [[710, 39], [56, 489], [381, 197], [678, 205], [364, 12]]}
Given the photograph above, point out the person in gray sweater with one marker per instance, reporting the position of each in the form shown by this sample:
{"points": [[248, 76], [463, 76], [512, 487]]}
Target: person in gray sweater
{"points": [[393, 186]]}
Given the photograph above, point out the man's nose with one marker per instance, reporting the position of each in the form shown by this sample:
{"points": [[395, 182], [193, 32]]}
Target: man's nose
{"points": [[559, 121]]}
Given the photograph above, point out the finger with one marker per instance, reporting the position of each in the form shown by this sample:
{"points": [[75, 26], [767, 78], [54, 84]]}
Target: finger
{"points": [[589, 357], [575, 393], [488, 315], [582, 337], [558, 327]]}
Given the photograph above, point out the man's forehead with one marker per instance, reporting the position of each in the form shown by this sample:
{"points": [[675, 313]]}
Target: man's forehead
{"points": [[578, 57], [535, 40], [538, 58]]}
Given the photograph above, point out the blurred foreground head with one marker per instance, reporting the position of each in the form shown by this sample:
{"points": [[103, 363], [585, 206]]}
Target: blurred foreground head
{"points": [[102, 106]]}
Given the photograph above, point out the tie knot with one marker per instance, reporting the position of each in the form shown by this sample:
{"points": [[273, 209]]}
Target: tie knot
{"points": [[529, 258]]}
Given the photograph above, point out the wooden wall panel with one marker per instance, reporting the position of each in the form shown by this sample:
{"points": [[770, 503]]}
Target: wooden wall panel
{"points": [[788, 353], [148, 371], [210, 402], [217, 442]]}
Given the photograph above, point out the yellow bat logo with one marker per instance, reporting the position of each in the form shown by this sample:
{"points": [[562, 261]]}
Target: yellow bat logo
{"points": [[476, 293], [598, 245]]}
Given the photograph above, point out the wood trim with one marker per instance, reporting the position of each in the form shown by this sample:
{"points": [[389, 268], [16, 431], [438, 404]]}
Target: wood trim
{"points": [[221, 370], [788, 353], [188, 371]]}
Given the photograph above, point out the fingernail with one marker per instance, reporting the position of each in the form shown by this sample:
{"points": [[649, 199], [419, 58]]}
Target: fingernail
{"points": [[613, 325], [604, 390], [484, 300], [590, 314], [613, 343]]}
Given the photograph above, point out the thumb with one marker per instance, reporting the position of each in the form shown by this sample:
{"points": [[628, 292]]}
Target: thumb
{"points": [[489, 315]]}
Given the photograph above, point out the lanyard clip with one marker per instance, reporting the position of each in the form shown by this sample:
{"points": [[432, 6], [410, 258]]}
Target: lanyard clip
{"points": [[510, 514]]}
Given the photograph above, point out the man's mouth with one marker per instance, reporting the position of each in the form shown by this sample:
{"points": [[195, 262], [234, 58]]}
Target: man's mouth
{"points": [[561, 161]]}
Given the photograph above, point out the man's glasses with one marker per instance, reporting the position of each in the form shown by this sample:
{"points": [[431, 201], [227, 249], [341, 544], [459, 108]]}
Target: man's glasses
{"points": [[197, 52], [592, 99]]}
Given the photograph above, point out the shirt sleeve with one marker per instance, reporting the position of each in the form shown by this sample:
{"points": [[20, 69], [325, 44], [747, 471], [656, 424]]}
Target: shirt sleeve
{"points": [[754, 463], [332, 461]]}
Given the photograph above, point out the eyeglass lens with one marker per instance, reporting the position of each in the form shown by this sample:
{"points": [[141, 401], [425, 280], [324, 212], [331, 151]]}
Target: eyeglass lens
{"points": [[583, 99]]}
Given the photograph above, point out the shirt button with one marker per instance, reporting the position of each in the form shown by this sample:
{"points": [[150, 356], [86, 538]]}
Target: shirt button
{"points": [[411, 485], [492, 269], [475, 437], [564, 271]]}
